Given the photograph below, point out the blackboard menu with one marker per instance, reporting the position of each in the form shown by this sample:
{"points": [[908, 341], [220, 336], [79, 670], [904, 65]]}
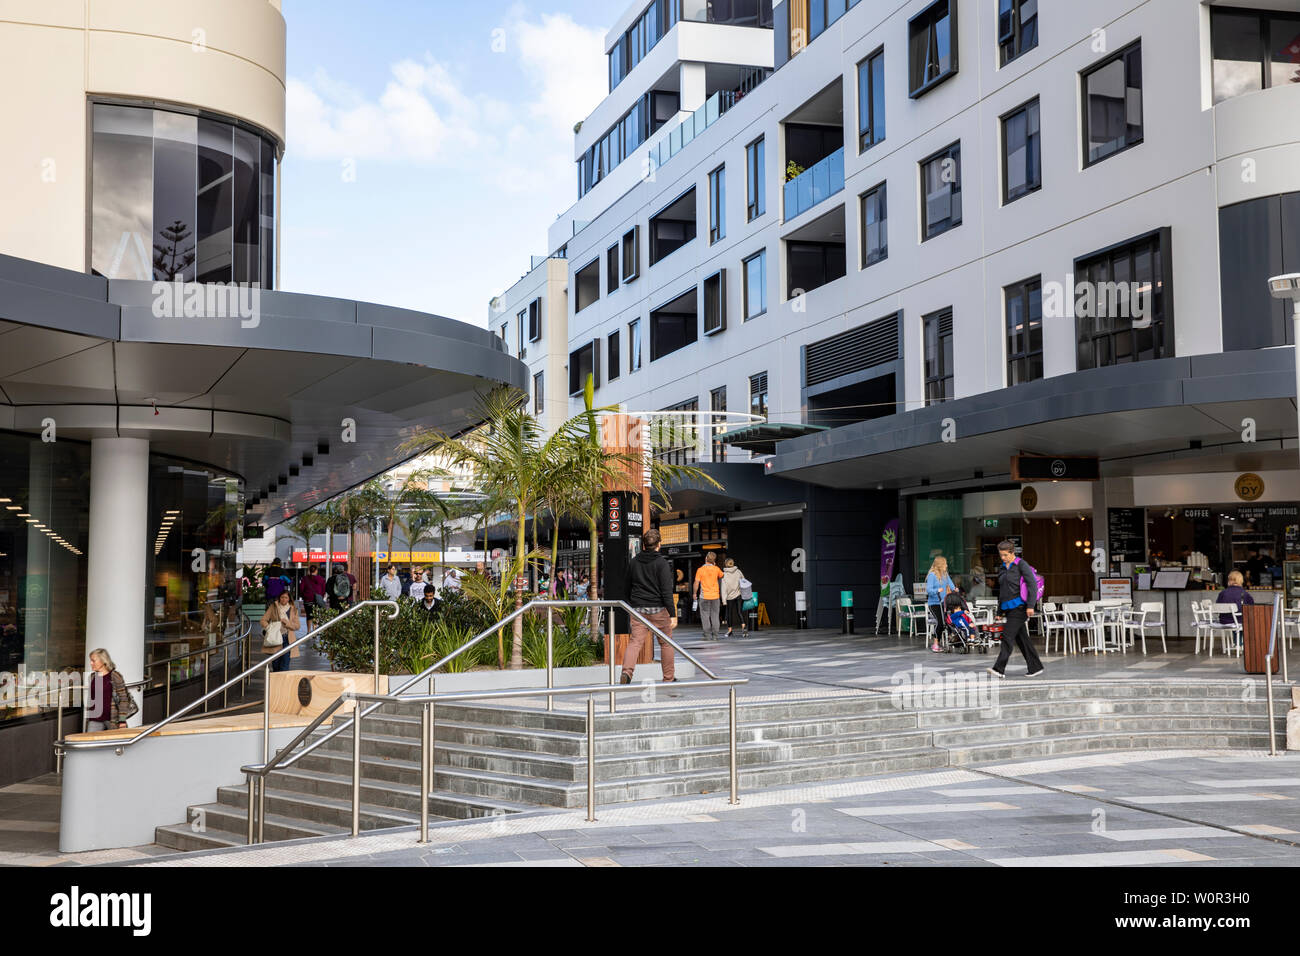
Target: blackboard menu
{"points": [[1126, 534]]}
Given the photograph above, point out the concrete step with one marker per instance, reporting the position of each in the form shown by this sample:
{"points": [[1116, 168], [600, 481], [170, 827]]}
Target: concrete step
{"points": [[1083, 743], [315, 810], [231, 822], [179, 836]]}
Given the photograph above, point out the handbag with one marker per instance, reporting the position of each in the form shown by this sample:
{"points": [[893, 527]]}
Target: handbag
{"points": [[271, 636]]}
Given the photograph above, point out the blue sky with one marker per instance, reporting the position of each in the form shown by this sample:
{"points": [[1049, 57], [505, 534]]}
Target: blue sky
{"points": [[430, 144]]}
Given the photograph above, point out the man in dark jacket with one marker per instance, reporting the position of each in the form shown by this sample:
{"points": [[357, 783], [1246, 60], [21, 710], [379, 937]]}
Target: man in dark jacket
{"points": [[649, 591], [1017, 609]]}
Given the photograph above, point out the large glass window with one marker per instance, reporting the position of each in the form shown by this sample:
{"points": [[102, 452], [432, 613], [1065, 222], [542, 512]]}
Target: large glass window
{"points": [[1017, 28], [755, 198], [1253, 50], [1024, 308], [1112, 104], [875, 226], [1022, 164], [938, 356], [941, 191], [932, 46], [871, 100], [1122, 314], [174, 196], [755, 268]]}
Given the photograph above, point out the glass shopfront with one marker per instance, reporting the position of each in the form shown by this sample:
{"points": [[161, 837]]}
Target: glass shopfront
{"points": [[1260, 541]]}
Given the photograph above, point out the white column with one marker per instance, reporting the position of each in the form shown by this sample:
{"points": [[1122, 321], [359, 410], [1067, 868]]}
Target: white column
{"points": [[115, 575], [691, 86]]}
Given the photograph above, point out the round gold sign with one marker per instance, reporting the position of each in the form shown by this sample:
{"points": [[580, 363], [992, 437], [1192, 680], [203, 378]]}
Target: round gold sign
{"points": [[1249, 487], [1028, 499]]}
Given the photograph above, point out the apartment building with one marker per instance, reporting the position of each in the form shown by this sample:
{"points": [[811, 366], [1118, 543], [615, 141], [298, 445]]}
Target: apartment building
{"points": [[938, 248]]}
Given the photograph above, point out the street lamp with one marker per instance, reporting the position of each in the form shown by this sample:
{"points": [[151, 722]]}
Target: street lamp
{"points": [[1288, 287]]}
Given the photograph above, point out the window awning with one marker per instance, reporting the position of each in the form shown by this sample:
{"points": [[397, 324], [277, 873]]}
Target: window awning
{"points": [[761, 437]]}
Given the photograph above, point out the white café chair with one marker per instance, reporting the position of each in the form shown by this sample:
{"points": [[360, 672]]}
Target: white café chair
{"points": [[1113, 612], [1054, 624], [1290, 623], [912, 613], [1200, 623], [1078, 622], [1229, 629], [1149, 615], [983, 611]]}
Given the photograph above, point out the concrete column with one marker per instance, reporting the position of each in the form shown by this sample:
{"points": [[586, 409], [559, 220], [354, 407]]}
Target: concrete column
{"points": [[116, 552], [692, 86]]}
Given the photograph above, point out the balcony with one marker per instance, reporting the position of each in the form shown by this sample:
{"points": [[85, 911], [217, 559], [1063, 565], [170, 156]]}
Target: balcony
{"points": [[704, 117], [823, 180]]}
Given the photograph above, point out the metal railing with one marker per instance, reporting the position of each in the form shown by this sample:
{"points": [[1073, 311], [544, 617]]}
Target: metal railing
{"points": [[1279, 608], [818, 182], [245, 631], [120, 745], [58, 720], [286, 757]]}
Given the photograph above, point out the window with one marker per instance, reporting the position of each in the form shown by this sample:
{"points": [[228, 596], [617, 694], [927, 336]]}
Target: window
{"points": [[755, 199], [539, 392], [1017, 28], [505, 333], [634, 345], [1112, 104], [175, 196], [755, 268], [587, 282], [1024, 309], [631, 254], [938, 356], [613, 363], [718, 204], [871, 100], [611, 268], [875, 226], [674, 325], [813, 264], [1121, 312], [941, 191], [534, 320], [673, 227], [1022, 162], [718, 403], [758, 398], [675, 437], [1253, 50], [932, 46], [582, 363], [519, 333], [715, 302]]}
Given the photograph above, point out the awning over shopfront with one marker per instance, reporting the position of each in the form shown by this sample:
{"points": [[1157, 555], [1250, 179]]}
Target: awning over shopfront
{"points": [[761, 437]]}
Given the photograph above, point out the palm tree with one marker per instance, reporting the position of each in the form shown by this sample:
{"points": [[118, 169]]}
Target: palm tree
{"points": [[507, 459], [412, 492], [358, 508]]}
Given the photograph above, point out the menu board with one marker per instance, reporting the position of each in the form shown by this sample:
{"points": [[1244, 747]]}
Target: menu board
{"points": [[1116, 588], [1126, 534]]}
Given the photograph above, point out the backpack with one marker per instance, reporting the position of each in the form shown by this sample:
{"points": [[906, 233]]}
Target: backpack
{"points": [[340, 586], [1024, 587], [274, 586]]}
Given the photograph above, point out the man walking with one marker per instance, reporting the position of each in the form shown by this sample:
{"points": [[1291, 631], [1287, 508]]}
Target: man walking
{"points": [[1018, 601], [709, 596], [649, 591], [391, 584]]}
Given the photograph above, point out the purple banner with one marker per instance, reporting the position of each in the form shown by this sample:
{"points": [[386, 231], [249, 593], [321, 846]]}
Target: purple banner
{"points": [[888, 548]]}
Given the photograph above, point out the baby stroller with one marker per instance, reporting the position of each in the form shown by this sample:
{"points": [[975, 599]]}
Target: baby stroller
{"points": [[960, 633]]}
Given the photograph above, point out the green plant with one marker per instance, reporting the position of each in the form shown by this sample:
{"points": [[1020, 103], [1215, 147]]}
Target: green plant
{"points": [[792, 170], [350, 645], [435, 640], [567, 649]]}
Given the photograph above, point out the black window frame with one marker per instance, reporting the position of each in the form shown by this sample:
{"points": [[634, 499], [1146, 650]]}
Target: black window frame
{"points": [[717, 204], [631, 243], [522, 321], [721, 297], [1037, 183], [1012, 31], [634, 345], [883, 204], [1022, 356], [578, 304], [1086, 118], [744, 281], [925, 20], [613, 358], [612, 267], [938, 376], [535, 319], [1162, 319], [1264, 42], [655, 257], [539, 392], [574, 371], [758, 386], [867, 125], [755, 179], [718, 449], [693, 338], [952, 150]]}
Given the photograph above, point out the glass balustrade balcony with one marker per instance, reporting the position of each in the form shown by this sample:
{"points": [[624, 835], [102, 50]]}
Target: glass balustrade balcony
{"points": [[818, 182]]}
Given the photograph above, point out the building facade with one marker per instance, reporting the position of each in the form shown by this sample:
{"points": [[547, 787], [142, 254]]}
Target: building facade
{"points": [[946, 234], [158, 389]]}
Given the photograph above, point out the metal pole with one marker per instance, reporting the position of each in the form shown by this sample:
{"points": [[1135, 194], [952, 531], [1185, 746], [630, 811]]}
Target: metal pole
{"points": [[251, 787], [167, 694], [58, 735], [356, 767], [376, 648], [591, 759], [550, 657], [731, 745], [266, 715], [207, 661], [261, 808], [609, 634], [425, 746], [1268, 673]]}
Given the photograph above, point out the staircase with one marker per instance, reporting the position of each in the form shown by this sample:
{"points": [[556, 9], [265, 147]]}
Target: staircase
{"points": [[494, 760]]}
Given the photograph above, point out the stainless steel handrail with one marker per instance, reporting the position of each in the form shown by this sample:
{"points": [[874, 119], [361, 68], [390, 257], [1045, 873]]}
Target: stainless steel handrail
{"points": [[256, 774], [260, 665], [1277, 625], [58, 720], [246, 629]]}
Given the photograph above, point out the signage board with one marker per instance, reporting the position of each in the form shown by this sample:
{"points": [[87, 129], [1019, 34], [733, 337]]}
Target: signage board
{"points": [[317, 556], [1126, 532], [1112, 588], [1053, 468], [679, 533]]}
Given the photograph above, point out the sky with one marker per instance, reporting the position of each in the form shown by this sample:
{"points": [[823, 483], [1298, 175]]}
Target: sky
{"points": [[430, 144]]}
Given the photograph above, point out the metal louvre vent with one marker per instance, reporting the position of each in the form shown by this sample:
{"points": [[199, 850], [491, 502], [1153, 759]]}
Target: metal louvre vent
{"points": [[758, 383], [864, 347]]}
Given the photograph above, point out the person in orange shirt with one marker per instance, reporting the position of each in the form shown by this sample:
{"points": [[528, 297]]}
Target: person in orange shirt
{"points": [[708, 594]]}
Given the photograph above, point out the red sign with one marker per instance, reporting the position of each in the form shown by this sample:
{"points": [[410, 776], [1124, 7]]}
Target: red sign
{"points": [[317, 556]]}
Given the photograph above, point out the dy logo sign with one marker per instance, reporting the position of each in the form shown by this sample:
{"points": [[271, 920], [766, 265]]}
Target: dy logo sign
{"points": [[1249, 487]]}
